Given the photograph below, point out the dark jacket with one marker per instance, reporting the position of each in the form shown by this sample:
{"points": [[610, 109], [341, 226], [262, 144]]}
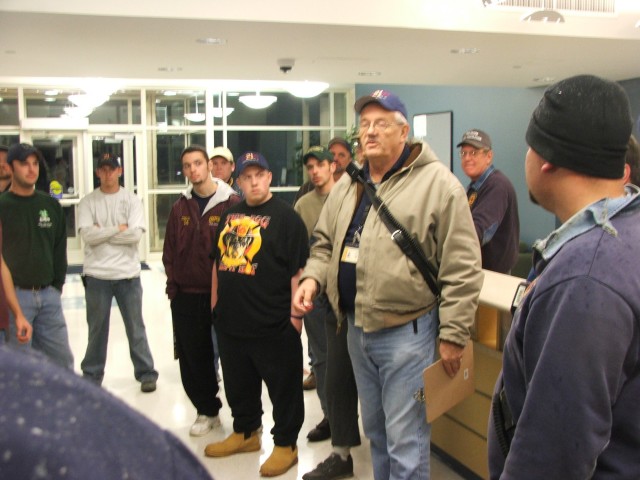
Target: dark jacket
{"points": [[188, 240], [494, 209], [571, 363]]}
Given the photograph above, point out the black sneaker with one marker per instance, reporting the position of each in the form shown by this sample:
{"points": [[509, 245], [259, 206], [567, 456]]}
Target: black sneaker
{"points": [[148, 386], [332, 468], [322, 431]]}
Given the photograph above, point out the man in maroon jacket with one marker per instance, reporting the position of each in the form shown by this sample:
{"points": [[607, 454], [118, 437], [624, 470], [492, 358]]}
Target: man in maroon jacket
{"points": [[191, 228]]}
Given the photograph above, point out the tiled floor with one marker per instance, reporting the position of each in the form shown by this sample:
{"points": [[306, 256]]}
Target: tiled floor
{"points": [[170, 407]]}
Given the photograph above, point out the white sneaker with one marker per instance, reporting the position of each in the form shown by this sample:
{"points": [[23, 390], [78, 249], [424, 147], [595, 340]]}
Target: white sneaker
{"points": [[203, 425]]}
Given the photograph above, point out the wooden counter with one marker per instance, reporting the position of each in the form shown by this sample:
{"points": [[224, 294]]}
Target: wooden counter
{"points": [[462, 432]]}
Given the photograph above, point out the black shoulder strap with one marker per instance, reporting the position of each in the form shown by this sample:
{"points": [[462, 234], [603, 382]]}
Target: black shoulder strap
{"points": [[407, 243]]}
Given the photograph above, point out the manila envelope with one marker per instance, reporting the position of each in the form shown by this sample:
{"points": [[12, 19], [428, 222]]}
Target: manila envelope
{"points": [[441, 392]]}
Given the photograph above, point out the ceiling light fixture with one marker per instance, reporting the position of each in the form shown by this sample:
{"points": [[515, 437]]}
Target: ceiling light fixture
{"points": [[465, 51], [77, 112], [369, 74], [217, 111], [545, 16], [212, 41], [307, 89], [88, 100], [196, 117], [258, 101]]}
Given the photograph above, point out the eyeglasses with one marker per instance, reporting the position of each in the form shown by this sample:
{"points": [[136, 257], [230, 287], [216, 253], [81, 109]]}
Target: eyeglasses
{"points": [[471, 153], [378, 125]]}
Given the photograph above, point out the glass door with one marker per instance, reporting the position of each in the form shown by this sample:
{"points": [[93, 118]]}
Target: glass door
{"points": [[61, 175], [125, 147]]}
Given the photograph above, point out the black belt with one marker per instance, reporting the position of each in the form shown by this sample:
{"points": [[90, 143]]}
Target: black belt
{"points": [[32, 287]]}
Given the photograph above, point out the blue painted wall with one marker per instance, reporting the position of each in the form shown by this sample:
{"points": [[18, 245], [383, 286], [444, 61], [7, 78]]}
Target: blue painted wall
{"points": [[504, 114], [633, 90]]}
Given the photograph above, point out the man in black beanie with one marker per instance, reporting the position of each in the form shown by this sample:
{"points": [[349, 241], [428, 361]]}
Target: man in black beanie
{"points": [[565, 404]]}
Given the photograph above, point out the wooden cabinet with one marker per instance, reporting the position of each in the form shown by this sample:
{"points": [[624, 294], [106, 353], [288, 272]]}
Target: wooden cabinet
{"points": [[461, 433]]}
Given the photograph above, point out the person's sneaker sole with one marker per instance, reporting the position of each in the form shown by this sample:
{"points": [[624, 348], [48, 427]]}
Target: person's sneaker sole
{"points": [[148, 386]]}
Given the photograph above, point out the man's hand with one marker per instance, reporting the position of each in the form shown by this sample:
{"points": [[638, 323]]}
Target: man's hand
{"points": [[303, 298], [297, 324], [24, 330], [123, 227], [451, 355]]}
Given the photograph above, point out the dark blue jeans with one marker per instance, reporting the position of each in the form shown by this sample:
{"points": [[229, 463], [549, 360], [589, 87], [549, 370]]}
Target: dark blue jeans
{"points": [[128, 294]]}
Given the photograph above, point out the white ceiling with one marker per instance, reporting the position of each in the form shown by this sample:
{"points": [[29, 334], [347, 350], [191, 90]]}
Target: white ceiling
{"points": [[407, 41]]}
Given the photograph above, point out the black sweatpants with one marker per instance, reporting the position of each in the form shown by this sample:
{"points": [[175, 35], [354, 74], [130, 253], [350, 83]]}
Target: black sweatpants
{"points": [[276, 359], [191, 314], [340, 385]]}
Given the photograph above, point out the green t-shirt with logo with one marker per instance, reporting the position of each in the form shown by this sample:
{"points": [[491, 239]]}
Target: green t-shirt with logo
{"points": [[34, 239]]}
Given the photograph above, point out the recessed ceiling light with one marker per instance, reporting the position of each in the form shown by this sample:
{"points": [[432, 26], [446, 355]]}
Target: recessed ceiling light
{"points": [[369, 74], [170, 69], [465, 51], [169, 93], [212, 41], [51, 92], [49, 99], [544, 79]]}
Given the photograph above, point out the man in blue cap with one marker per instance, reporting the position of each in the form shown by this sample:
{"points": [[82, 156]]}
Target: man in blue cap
{"points": [[392, 314], [259, 251]]}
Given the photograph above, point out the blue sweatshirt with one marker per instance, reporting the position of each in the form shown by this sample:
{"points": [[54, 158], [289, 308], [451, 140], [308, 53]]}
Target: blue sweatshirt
{"points": [[571, 363]]}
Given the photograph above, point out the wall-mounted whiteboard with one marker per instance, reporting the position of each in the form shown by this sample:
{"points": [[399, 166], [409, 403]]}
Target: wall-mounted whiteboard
{"points": [[436, 129]]}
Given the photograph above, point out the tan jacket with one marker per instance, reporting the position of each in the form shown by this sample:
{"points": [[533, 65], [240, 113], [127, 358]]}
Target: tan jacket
{"points": [[431, 203]]}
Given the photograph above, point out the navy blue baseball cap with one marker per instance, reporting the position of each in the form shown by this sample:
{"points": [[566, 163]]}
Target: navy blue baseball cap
{"points": [[385, 99], [109, 160], [20, 152], [249, 159]]}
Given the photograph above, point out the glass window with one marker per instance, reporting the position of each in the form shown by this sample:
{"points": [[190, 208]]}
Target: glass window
{"points": [[8, 139], [287, 110], [178, 108], [58, 164], [159, 209], [167, 169], [53, 103], [340, 109], [116, 110], [8, 106], [282, 149]]}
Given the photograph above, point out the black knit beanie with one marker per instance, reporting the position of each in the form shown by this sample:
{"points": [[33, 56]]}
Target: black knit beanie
{"points": [[583, 123]]}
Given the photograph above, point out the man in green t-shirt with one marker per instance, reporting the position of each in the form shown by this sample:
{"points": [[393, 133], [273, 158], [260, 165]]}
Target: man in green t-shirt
{"points": [[35, 249]]}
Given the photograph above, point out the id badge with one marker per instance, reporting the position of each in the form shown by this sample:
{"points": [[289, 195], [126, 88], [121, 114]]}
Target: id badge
{"points": [[350, 254]]}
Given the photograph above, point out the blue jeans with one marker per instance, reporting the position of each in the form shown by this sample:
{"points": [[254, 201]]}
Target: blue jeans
{"points": [[43, 310], [99, 295], [388, 367]]}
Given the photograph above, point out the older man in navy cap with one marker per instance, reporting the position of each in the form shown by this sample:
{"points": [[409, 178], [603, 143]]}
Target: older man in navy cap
{"points": [[493, 203], [391, 312]]}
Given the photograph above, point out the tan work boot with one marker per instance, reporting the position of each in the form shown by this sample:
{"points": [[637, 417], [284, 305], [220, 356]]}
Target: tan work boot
{"points": [[280, 460], [234, 443]]}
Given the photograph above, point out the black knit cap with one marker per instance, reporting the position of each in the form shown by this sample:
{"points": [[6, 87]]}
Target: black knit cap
{"points": [[583, 123]]}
